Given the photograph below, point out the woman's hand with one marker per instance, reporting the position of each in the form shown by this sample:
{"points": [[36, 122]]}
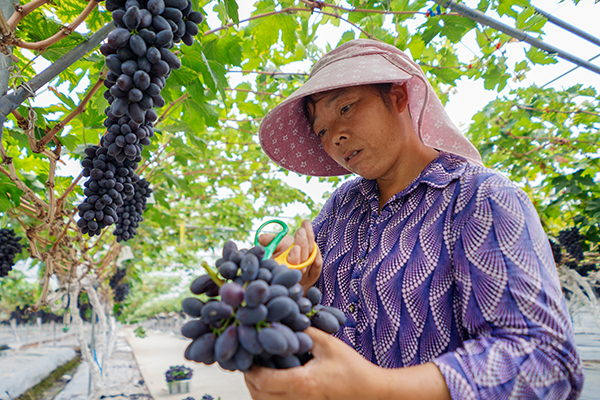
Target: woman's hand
{"points": [[303, 240], [335, 372]]}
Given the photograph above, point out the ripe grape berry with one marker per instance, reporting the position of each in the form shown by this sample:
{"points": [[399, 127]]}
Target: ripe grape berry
{"points": [[256, 316], [9, 247], [117, 277]]}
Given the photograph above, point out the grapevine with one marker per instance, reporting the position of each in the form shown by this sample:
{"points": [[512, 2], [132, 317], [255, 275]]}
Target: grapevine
{"points": [[255, 315]]}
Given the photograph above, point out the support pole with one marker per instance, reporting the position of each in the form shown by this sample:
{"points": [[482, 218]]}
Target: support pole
{"points": [[10, 102], [483, 19], [573, 29]]}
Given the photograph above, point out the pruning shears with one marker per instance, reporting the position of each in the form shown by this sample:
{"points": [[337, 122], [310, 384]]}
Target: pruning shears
{"points": [[282, 258]]}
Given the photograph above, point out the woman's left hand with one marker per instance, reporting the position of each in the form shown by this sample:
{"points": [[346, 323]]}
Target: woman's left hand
{"points": [[335, 372]]}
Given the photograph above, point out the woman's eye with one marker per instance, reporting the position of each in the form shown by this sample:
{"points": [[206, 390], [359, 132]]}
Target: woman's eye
{"points": [[321, 133], [345, 109]]}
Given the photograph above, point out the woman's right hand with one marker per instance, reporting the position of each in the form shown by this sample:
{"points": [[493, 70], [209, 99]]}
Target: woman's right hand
{"points": [[303, 241]]}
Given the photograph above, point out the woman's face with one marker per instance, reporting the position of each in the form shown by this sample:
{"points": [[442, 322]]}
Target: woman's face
{"points": [[360, 132]]}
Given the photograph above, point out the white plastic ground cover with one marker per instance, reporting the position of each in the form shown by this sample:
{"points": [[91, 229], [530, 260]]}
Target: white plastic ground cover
{"points": [[22, 370]]}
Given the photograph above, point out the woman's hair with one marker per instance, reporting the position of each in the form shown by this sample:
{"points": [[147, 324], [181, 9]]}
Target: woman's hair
{"points": [[384, 92]]}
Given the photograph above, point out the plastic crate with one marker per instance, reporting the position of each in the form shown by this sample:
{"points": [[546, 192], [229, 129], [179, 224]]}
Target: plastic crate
{"points": [[176, 387]]}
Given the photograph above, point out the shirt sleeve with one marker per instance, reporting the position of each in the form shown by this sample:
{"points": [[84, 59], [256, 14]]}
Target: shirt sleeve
{"points": [[519, 338]]}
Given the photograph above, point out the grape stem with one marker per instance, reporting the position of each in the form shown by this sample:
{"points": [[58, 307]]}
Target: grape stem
{"points": [[213, 275]]}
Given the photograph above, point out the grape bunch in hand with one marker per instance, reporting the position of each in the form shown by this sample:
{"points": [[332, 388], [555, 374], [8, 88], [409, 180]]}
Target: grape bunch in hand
{"points": [[255, 314]]}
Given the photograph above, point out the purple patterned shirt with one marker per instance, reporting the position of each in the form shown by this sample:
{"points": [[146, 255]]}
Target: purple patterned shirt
{"points": [[456, 269]]}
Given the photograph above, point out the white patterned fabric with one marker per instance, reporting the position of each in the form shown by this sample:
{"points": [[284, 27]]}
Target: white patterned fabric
{"points": [[455, 269], [287, 137]]}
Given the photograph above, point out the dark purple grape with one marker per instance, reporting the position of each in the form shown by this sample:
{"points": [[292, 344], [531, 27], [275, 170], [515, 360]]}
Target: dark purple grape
{"points": [[257, 292], [106, 49], [156, 7], [113, 63], [305, 342], [132, 18], [136, 113], [191, 28], [248, 338], [194, 329], [281, 307], [249, 267], [160, 24], [243, 359], [337, 313], [227, 269], [192, 306], [216, 310], [137, 45], [195, 17], [227, 344], [119, 107], [287, 278], [148, 36], [325, 321], [125, 54], [158, 100], [232, 293], [276, 291], [299, 322], [175, 63], [290, 337], [314, 295], [125, 82], [251, 316], [264, 275], [141, 80], [145, 18], [163, 38], [144, 64], [119, 37], [304, 304], [179, 4], [202, 349], [269, 264], [187, 39], [172, 13], [129, 67], [153, 55], [201, 284], [272, 341], [135, 95]]}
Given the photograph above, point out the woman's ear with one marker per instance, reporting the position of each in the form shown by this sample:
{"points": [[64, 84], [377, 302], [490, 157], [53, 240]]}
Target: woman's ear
{"points": [[399, 97]]}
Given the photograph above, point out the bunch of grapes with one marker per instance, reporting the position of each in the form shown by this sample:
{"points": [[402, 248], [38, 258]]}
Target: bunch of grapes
{"points": [[110, 183], [556, 253], [117, 277], [178, 373], [570, 239], [121, 292], [257, 315], [9, 247], [139, 59], [130, 213]]}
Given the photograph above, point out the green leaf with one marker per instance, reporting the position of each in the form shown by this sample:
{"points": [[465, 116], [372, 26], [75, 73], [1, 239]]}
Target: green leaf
{"points": [[538, 56], [232, 10]]}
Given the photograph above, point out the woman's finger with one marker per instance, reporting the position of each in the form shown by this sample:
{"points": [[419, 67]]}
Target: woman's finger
{"points": [[301, 240]]}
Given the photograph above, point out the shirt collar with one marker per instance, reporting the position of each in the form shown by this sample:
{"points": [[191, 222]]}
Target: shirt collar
{"points": [[439, 173]]}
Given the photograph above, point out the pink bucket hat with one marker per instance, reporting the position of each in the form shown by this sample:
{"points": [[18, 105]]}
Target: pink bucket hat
{"points": [[288, 139]]}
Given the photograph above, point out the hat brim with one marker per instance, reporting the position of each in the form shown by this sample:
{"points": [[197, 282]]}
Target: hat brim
{"points": [[285, 133]]}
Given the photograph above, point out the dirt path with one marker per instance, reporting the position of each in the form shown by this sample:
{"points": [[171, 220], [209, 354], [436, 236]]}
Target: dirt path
{"points": [[160, 350]]}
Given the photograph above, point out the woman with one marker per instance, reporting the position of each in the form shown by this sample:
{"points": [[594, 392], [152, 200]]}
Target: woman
{"points": [[441, 265]]}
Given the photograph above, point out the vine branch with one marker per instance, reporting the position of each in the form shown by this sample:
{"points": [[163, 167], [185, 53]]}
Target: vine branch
{"points": [[63, 33], [22, 10]]}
